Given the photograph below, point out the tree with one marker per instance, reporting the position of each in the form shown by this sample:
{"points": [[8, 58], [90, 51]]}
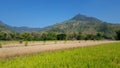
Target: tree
{"points": [[99, 36], [51, 36], [44, 36], [26, 36], [61, 36], [90, 37], [7, 36], [118, 35], [36, 35], [1, 35], [79, 36]]}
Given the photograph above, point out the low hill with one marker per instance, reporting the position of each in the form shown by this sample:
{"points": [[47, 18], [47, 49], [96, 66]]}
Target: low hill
{"points": [[5, 28], [25, 29]]}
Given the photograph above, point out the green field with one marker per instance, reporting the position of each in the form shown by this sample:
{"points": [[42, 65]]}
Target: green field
{"points": [[105, 56]]}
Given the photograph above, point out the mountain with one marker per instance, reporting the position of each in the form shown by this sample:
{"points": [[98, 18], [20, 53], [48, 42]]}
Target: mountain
{"points": [[84, 24], [80, 17], [5, 28], [25, 29], [78, 23]]}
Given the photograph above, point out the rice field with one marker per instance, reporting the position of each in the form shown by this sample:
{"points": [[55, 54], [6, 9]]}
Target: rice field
{"points": [[104, 56]]}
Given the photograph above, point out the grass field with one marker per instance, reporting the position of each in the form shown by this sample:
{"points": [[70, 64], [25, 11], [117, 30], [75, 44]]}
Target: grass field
{"points": [[105, 56]]}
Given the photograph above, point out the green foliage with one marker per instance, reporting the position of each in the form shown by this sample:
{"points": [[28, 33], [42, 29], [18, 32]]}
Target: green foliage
{"points": [[118, 35], [0, 45], [71, 28], [26, 43], [44, 42], [99, 36], [5, 28], [51, 36], [26, 36], [44, 36], [90, 37], [61, 36], [65, 41], [87, 25], [55, 41], [77, 28], [79, 36], [103, 56], [20, 41]]}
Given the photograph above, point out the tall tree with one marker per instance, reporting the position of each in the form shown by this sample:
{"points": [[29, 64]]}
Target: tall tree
{"points": [[118, 35], [79, 36], [61, 36]]}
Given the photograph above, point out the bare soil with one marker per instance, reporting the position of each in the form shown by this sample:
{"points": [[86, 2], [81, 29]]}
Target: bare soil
{"points": [[16, 49]]}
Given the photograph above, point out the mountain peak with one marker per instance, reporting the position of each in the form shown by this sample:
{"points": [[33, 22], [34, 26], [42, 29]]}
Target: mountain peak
{"points": [[80, 17]]}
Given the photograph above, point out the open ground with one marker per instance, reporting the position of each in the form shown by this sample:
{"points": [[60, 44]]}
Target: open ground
{"points": [[16, 49]]}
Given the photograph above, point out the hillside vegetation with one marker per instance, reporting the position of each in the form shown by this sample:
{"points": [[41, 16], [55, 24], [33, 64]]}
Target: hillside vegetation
{"points": [[104, 56], [5, 28], [79, 27], [86, 25]]}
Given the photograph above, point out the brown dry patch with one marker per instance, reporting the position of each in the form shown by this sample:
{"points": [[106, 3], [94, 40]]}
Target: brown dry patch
{"points": [[38, 47]]}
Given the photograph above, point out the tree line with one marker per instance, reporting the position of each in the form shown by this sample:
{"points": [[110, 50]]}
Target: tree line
{"points": [[41, 36]]}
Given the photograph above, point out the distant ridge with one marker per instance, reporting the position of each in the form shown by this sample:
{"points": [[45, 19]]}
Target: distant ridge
{"points": [[25, 29], [7, 28]]}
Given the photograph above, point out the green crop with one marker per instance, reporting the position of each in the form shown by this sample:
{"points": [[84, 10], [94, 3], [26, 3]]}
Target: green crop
{"points": [[103, 56]]}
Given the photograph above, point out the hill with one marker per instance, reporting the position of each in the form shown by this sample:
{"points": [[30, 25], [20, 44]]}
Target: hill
{"points": [[25, 29], [5, 28], [84, 24], [78, 23]]}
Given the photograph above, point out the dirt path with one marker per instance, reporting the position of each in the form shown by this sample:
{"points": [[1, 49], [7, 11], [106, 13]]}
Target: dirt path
{"points": [[19, 51]]}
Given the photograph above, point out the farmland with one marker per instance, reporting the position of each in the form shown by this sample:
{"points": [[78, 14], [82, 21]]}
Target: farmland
{"points": [[13, 48], [102, 56]]}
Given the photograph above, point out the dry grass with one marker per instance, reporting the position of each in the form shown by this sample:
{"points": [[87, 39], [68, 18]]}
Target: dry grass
{"points": [[15, 49]]}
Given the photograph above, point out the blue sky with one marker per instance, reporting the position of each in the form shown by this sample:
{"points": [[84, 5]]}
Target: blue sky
{"points": [[41, 13]]}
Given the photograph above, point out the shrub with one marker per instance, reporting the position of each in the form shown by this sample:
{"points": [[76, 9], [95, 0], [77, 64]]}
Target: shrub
{"points": [[20, 41], [44, 42], [65, 41], [55, 41], [26, 43], [118, 35], [0, 45]]}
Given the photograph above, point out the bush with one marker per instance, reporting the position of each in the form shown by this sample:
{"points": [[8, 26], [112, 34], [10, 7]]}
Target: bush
{"points": [[65, 41], [55, 41], [0, 45], [44, 42], [118, 35], [20, 41], [26, 43]]}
